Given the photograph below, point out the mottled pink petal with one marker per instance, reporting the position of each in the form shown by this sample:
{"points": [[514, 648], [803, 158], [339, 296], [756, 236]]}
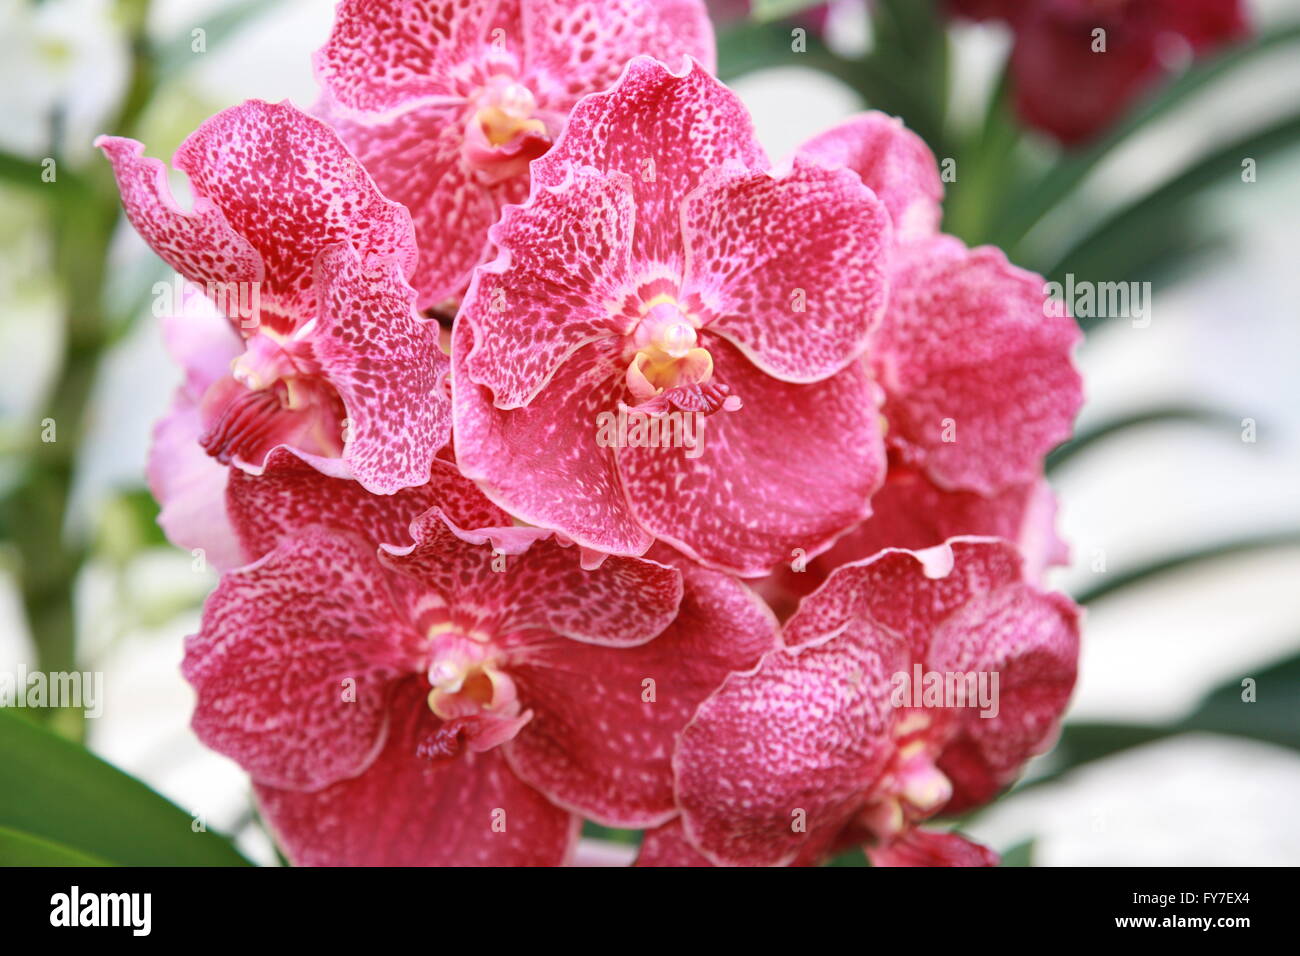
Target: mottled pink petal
{"points": [[978, 376], [921, 847], [606, 720], [582, 46], [409, 810], [542, 462], [664, 130], [384, 53], [777, 761], [291, 663], [286, 183], [555, 286], [760, 487], [291, 495], [201, 245], [893, 161], [415, 157], [909, 592], [1031, 641], [189, 486], [791, 267], [911, 512], [667, 846], [384, 361], [623, 603]]}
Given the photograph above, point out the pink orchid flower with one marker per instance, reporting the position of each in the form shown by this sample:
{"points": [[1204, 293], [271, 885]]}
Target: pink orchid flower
{"points": [[838, 749], [977, 374], [661, 271], [446, 103], [309, 262], [406, 685]]}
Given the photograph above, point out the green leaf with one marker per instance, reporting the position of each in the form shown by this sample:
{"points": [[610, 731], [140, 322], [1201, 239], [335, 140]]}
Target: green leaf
{"points": [[1189, 414], [1022, 854], [24, 849], [1063, 176], [1139, 218], [1271, 718], [61, 793], [1112, 582], [177, 54]]}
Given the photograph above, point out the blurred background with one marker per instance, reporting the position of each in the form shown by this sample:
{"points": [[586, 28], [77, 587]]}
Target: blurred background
{"points": [[1180, 495]]}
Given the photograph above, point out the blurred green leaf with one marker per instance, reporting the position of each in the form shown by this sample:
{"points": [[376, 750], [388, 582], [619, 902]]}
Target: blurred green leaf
{"points": [[1022, 854], [1190, 414], [59, 792], [24, 849], [176, 55], [1116, 581], [1063, 176], [853, 857], [596, 831], [1140, 220], [1270, 718]]}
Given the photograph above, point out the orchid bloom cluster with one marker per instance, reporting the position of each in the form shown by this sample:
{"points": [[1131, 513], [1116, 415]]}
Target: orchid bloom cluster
{"points": [[567, 459]]}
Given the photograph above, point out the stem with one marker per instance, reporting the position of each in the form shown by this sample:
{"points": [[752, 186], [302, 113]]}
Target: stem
{"points": [[36, 510]]}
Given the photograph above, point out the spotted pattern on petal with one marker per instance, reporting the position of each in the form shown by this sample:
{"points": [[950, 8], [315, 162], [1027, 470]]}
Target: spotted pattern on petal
{"points": [[386, 365], [565, 256], [543, 462], [415, 157], [279, 640], [289, 186], [1031, 641], [291, 495], [606, 720], [781, 757], [383, 53], [200, 245], [407, 810], [893, 161], [664, 131], [582, 46], [760, 486], [792, 268], [543, 586], [979, 381]]}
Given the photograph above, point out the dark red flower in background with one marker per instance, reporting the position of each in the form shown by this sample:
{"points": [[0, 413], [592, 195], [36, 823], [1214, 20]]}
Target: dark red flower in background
{"points": [[1068, 85]]}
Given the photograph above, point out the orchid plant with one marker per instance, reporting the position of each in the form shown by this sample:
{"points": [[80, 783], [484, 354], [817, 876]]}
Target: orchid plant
{"points": [[459, 619]]}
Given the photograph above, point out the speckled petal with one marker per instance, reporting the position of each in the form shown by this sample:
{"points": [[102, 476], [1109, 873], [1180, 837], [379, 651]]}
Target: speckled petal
{"points": [[408, 810], [542, 587], [384, 361], [779, 758], [291, 495], [581, 46], [664, 130], [791, 267], [606, 720], [542, 463], [760, 487], [978, 376], [893, 161], [292, 662], [565, 256]]}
